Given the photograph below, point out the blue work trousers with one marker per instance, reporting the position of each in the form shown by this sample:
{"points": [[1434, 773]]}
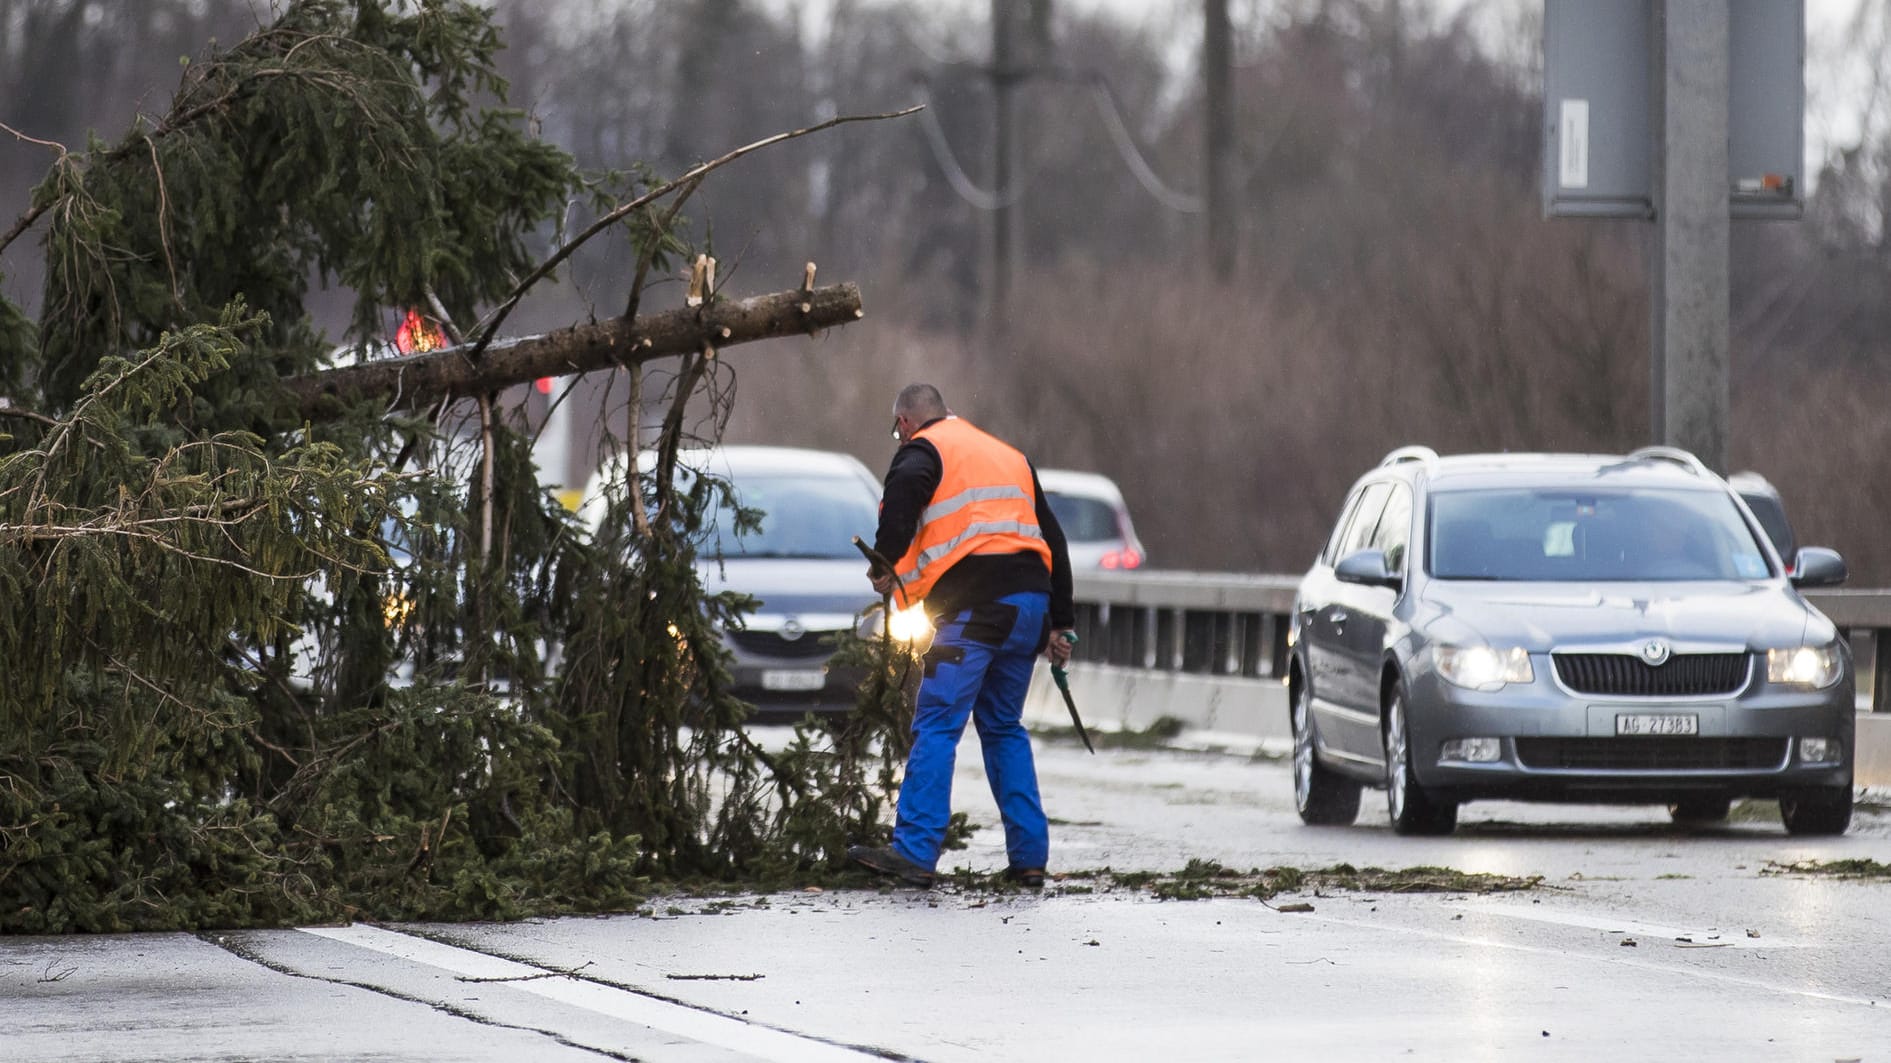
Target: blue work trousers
{"points": [[979, 667]]}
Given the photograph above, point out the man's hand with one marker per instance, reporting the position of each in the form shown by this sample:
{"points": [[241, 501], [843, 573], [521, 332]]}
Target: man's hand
{"points": [[1060, 646], [882, 582]]}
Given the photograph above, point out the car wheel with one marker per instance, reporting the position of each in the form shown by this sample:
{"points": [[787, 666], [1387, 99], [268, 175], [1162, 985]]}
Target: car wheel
{"points": [[1822, 811], [1700, 809], [1413, 810], [1323, 797]]}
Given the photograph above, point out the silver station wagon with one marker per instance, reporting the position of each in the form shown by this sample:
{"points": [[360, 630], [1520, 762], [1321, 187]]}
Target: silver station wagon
{"points": [[1565, 627]]}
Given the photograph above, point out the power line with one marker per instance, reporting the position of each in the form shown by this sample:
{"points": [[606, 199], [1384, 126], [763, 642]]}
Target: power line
{"points": [[1109, 108], [955, 174]]}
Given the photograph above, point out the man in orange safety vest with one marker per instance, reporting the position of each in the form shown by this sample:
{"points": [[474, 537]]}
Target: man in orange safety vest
{"points": [[975, 541]]}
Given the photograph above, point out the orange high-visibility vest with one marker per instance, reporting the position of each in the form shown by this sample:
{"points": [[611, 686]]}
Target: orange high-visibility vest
{"points": [[984, 504]]}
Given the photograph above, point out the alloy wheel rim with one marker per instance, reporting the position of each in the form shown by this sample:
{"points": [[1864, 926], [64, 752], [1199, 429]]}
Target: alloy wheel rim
{"points": [[1395, 757], [1302, 752]]}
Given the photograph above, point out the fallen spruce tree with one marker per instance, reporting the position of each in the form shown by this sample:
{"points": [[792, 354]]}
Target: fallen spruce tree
{"points": [[287, 642]]}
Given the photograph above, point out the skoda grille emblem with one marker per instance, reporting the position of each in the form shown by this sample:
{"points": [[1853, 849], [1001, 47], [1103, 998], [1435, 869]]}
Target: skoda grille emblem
{"points": [[1655, 652], [791, 630]]}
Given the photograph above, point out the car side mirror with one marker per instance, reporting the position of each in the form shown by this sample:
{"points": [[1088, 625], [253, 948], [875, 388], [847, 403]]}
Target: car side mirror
{"points": [[1819, 567], [1368, 568]]}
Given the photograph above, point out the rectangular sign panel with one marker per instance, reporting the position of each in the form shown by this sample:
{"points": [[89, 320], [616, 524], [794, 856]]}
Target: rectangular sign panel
{"points": [[1595, 57], [1598, 120], [1766, 100]]}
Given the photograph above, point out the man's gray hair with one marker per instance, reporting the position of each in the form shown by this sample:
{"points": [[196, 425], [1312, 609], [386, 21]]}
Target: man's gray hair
{"points": [[921, 402]]}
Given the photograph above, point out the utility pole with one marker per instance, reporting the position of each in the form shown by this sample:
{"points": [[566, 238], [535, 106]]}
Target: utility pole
{"points": [[1218, 137], [1688, 264], [1005, 220]]}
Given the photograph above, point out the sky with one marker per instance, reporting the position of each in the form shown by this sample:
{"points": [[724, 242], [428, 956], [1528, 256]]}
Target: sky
{"points": [[1839, 74]]}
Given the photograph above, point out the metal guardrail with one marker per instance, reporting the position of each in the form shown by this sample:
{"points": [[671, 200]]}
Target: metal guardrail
{"points": [[1235, 624]]}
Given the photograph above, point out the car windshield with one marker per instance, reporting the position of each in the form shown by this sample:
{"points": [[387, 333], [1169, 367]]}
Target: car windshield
{"points": [[1084, 520], [803, 515], [1541, 535]]}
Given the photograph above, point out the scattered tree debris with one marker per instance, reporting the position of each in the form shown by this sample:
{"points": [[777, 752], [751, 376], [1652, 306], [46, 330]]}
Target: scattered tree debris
{"points": [[1158, 735], [58, 972], [557, 972], [1204, 879], [1858, 868]]}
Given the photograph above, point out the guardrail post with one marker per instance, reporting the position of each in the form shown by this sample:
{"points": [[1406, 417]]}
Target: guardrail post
{"points": [[1093, 628], [1277, 656], [1198, 641], [1123, 636], [1227, 644], [1253, 639], [1880, 670]]}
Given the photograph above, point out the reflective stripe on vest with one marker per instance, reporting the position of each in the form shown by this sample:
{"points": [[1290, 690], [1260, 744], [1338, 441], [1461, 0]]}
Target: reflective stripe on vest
{"points": [[933, 554], [983, 505], [967, 497]]}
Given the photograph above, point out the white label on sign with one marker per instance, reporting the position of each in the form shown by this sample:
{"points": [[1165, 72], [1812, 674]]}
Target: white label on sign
{"points": [[1575, 144]]}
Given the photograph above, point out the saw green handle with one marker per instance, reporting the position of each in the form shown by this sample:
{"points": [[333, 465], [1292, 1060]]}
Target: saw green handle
{"points": [[1057, 670]]}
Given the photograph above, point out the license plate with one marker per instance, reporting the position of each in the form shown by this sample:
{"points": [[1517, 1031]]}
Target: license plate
{"points": [[794, 679], [1653, 723]]}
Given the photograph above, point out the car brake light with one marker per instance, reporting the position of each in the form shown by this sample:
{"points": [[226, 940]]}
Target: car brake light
{"points": [[1127, 557]]}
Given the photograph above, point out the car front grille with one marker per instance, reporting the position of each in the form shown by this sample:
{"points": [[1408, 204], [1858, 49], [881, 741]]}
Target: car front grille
{"points": [[1626, 675], [1642, 753], [811, 644]]}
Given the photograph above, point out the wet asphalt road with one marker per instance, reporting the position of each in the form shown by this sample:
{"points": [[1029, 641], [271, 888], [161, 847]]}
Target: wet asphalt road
{"points": [[1644, 942]]}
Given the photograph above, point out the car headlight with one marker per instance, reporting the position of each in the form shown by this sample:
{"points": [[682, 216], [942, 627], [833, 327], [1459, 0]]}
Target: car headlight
{"points": [[1813, 667], [909, 625], [1484, 667]]}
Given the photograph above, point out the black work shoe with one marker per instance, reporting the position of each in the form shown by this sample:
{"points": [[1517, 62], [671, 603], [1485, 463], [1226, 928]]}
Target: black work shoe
{"points": [[1031, 878], [888, 862]]}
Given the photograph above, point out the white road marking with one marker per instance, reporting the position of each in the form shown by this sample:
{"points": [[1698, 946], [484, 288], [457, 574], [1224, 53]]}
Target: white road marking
{"points": [[680, 1020]]}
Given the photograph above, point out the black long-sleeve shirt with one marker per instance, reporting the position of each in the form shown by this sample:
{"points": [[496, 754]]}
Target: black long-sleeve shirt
{"points": [[910, 483]]}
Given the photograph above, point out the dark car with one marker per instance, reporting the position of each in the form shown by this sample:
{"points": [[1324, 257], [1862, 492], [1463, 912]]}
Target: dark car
{"points": [[801, 566], [1762, 498], [1570, 628]]}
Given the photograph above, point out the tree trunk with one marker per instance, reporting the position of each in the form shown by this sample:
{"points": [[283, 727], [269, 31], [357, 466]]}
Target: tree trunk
{"points": [[416, 380]]}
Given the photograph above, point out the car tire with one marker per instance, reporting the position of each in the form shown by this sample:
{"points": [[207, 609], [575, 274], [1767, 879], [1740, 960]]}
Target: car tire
{"points": [[1700, 809], [1323, 797], [1827, 810], [1412, 808]]}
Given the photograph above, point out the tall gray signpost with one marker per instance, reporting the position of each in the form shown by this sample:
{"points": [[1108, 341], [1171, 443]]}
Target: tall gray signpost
{"points": [[1686, 113]]}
